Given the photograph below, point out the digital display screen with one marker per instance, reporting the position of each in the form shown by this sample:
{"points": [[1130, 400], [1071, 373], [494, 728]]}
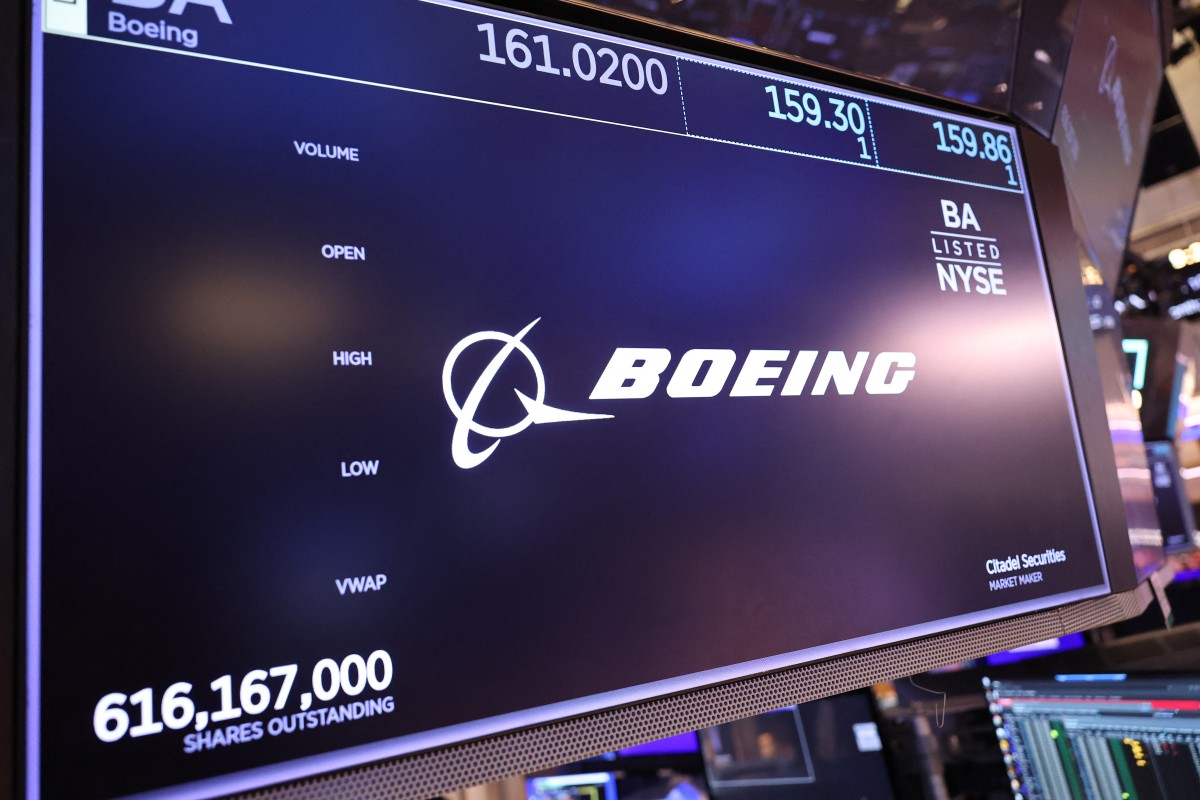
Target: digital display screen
{"points": [[767, 749], [403, 373], [590, 786], [1099, 735], [827, 748]]}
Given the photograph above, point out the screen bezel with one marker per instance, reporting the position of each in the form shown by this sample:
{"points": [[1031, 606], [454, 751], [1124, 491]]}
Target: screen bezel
{"points": [[14, 126], [1070, 310]]}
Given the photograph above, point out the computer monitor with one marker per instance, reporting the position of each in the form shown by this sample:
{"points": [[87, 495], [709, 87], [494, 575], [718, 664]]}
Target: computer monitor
{"points": [[586, 786], [769, 749], [1099, 735], [444, 390], [1158, 353], [826, 748]]}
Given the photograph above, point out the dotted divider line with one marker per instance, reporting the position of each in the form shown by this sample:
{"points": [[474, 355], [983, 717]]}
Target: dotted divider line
{"points": [[871, 128], [682, 102]]}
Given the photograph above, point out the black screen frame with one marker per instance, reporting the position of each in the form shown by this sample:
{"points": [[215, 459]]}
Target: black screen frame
{"points": [[485, 759], [1047, 186], [14, 117]]}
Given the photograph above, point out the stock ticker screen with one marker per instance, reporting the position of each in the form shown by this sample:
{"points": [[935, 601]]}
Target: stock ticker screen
{"points": [[397, 369], [1112, 735]]}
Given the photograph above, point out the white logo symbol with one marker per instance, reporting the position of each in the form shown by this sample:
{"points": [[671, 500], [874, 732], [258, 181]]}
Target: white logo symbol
{"points": [[179, 6], [536, 411]]}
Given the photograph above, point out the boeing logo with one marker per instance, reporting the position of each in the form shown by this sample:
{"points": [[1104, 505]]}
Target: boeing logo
{"points": [[161, 30], [635, 373], [536, 410], [179, 6]]}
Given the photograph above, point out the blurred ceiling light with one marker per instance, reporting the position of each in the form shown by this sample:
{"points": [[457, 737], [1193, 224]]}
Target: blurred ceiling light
{"points": [[1182, 257]]}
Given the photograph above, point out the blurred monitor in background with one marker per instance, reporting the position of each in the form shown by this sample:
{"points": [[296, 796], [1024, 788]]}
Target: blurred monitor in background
{"points": [[587, 786], [1162, 357], [823, 749]]}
